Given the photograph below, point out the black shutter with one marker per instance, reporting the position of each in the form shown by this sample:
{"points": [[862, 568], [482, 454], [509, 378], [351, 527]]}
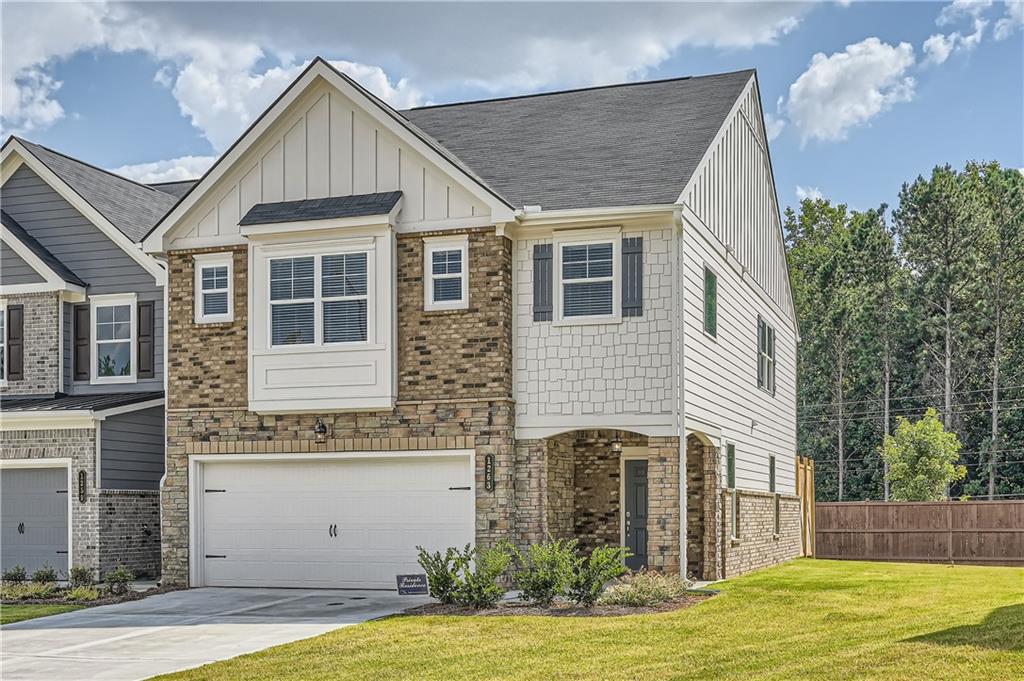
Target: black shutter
{"points": [[81, 352], [146, 339], [16, 343], [633, 277], [543, 290]]}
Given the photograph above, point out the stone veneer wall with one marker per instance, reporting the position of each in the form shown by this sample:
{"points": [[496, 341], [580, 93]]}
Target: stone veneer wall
{"points": [[703, 510], [663, 522], [129, 531], [79, 445], [597, 487], [758, 547], [42, 345]]}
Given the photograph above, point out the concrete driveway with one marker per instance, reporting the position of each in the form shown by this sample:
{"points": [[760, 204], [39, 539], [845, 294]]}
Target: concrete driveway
{"points": [[179, 630]]}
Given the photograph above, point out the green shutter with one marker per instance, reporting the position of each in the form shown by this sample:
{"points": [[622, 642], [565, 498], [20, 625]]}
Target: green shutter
{"points": [[730, 466], [710, 302], [771, 474], [760, 357]]}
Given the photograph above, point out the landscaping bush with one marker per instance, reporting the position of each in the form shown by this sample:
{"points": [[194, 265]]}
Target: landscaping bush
{"points": [[543, 571], [443, 571], [644, 589], [80, 575], [589, 575], [119, 580], [479, 587], [44, 575], [82, 593], [16, 575], [27, 591]]}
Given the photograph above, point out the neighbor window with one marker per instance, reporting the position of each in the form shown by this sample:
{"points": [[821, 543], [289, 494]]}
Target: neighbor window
{"points": [[213, 288], [319, 299], [710, 303], [587, 276], [765, 356], [730, 477], [113, 339], [446, 273]]}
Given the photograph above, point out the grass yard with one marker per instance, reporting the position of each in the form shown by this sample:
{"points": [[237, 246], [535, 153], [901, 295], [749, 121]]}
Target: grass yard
{"points": [[17, 613], [805, 619]]}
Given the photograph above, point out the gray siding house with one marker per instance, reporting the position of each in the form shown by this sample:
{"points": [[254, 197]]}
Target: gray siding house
{"points": [[82, 381]]}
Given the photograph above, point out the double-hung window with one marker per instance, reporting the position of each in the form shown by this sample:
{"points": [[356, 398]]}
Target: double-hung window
{"points": [[446, 273], [765, 356], [320, 299], [587, 274], [213, 286], [113, 338]]}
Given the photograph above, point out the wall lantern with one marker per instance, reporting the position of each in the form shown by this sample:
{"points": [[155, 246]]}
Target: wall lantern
{"points": [[320, 431], [617, 445]]}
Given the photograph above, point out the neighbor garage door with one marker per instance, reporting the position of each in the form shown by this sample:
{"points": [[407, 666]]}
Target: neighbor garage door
{"points": [[34, 517], [348, 523]]}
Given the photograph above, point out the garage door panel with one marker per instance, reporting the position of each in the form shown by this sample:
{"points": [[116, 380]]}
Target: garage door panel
{"points": [[274, 520], [34, 513]]}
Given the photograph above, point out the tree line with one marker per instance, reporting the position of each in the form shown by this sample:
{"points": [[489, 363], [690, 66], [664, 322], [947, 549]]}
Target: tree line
{"points": [[899, 312]]}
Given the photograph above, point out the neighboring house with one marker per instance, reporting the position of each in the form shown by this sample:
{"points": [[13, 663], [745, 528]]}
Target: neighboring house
{"points": [[82, 395], [561, 315]]}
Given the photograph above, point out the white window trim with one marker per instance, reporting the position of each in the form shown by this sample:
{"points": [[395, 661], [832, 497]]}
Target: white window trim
{"points": [[612, 235], [205, 260], [445, 243], [95, 302], [335, 248], [768, 385]]}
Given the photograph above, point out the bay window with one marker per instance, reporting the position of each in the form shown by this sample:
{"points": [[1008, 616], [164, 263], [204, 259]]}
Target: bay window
{"points": [[317, 300]]}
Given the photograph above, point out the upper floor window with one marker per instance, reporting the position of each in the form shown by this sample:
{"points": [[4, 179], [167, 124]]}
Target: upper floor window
{"points": [[710, 303], [213, 288], [113, 338], [446, 273], [765, 356], [587, 280], [319, 299]]}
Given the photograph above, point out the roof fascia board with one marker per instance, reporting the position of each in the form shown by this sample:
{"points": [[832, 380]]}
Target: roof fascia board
{"points": [[80, 204], [54, 281], [100, 414], [10, 166], [153, 242]]}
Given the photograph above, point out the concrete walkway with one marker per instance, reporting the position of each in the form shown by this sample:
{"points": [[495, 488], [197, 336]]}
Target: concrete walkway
{"points": [[179, 630]]}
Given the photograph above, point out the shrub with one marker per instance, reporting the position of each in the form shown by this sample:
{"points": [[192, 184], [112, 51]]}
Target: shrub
{"points": [[80, 575], [119, 580], [44, 575], [82, 593], [479, 587], [644, 589], [543, 571], [27, 591], [443, 570], [589, 575], [16, 575]]}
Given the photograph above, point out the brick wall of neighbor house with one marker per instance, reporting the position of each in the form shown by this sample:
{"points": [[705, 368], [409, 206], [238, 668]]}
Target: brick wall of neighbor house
{"points": [[129, 533], [757, 547], [454, 372], [79, 445], [42, 347]]}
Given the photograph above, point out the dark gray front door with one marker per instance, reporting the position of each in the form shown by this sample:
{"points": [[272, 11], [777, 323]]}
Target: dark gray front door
{"points": [[34, 518], [636, 514]]}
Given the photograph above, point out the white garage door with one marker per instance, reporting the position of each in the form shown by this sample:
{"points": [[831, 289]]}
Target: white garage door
{"points": [[350, 523], [34, 516]]}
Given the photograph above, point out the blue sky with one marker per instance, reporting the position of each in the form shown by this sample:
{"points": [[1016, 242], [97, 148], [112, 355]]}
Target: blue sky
{"points": [[156, 91]]}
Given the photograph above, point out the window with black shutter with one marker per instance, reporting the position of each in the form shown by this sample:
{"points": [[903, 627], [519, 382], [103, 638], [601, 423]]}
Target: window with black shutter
{"points": [[15, 348], [633, 277], [543, 292], [146, 339]]}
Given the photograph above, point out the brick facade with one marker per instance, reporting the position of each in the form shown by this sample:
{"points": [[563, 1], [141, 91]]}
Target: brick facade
{"points": [[129, 531], [758, 546], [41, 347]]}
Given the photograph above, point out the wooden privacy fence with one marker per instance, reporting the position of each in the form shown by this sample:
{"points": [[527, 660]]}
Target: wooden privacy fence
{"points": [[973, 532], [805, 490]]}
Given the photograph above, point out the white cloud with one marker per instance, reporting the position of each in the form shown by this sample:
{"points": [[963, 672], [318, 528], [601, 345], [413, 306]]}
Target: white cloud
{"points": [[184, 168], [773, 125], [812, 193], [848, 89], [961, 8], [1011, 22], [938, 47]]}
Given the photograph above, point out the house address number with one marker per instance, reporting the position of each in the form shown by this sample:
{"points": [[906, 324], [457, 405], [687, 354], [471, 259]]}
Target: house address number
{"points": [[489, 472]]}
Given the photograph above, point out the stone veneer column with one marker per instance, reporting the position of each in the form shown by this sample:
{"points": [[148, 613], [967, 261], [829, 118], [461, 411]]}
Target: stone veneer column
{"points": [[713, 515], [663, 504]]}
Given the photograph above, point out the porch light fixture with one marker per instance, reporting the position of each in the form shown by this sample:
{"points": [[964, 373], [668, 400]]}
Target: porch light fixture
{"points": [[617, 445], [320, 430]]}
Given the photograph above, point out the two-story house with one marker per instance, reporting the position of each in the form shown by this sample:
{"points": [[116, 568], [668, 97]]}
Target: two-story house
{"points": [[564, 315], [82, 389]]}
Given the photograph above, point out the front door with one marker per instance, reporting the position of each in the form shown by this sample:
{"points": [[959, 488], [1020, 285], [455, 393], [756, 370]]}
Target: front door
{"points": [[636, 513]]}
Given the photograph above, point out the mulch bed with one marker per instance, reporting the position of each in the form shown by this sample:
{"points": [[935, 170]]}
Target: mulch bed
{"points": [[558, 609], [103, 600]]}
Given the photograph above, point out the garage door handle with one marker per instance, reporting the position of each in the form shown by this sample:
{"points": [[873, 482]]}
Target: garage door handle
{"points": [[211, 555], [467, 487], [62, 552]]}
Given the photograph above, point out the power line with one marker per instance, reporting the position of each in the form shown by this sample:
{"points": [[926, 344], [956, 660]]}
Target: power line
{"points": [[899, 410], [872, 416], [911, 397]]}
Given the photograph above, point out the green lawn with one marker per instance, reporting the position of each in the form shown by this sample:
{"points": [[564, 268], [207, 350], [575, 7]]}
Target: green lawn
{"points": [[805, 619], [16, 613]]}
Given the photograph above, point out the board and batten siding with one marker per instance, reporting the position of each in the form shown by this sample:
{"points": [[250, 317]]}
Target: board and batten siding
{"points": [[325, 145], [14, 270], [90, 254], [132, 450]]}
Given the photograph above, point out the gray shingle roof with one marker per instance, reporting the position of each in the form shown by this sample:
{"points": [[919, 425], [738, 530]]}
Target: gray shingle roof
{"points": [[77, 402], [131, 207], [322, 209], [19, 233], [621, 145], [176, 189]]}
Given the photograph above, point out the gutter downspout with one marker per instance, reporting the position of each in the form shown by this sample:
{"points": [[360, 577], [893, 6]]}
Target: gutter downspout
{"points": [[680, 313]]}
